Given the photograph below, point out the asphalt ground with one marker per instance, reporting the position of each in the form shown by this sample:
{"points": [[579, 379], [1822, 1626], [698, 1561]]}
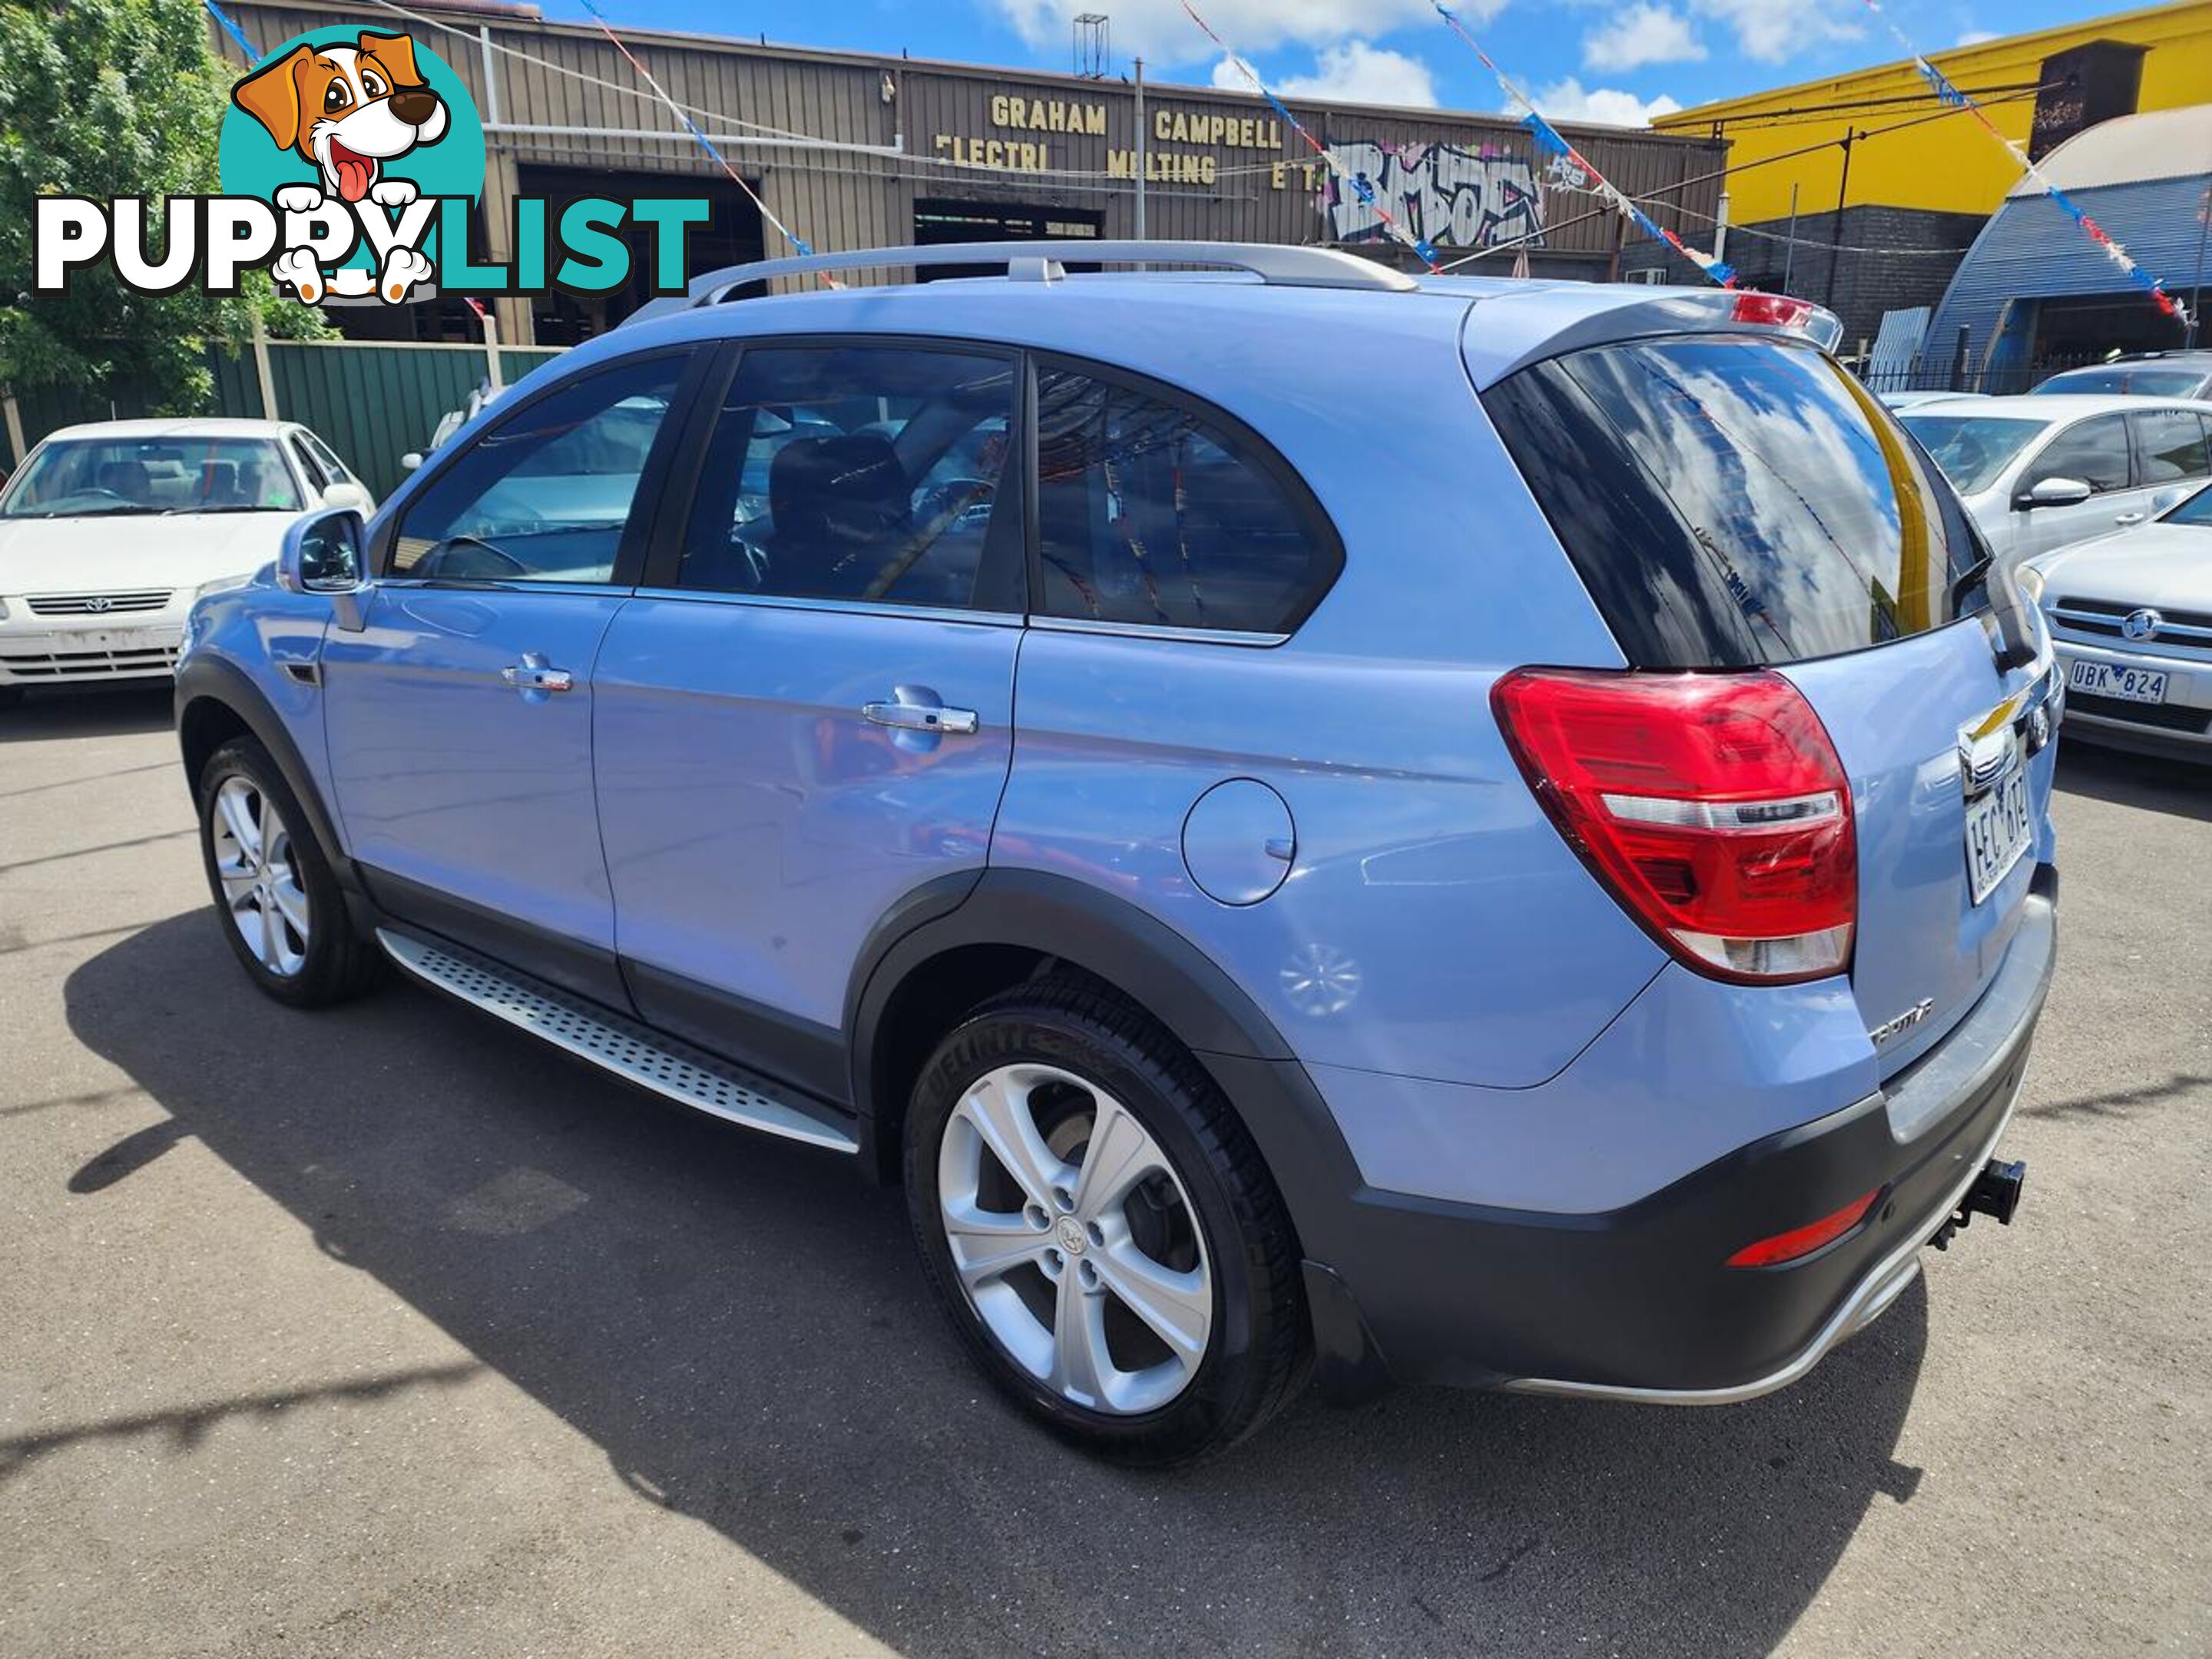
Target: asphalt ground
{"points": [[388, 1331]]}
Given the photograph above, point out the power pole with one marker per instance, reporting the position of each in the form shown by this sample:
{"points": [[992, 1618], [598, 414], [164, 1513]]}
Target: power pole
{"points": [[1842, 189], [1143, 149], [1789, 244]]}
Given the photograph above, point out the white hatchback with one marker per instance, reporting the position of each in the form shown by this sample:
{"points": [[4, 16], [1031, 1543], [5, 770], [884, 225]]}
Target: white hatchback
{"points": [[109, 531], [2046, 471]]}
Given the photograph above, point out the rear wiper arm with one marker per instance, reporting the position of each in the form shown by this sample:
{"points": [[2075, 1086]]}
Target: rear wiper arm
{"points": [[1973, 573]]}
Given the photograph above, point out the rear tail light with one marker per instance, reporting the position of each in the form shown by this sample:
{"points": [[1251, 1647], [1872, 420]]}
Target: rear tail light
{"points": [[1800, 1242], [1713, 806], [1777, 310]]}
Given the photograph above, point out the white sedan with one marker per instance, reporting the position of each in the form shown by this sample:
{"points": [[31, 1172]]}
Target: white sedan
{"points": [[2039, 472], [2131, 615], [109, 531]]}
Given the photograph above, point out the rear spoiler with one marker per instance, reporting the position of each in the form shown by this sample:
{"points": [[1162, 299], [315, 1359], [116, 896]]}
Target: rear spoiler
{"points": [[1590, 314]]}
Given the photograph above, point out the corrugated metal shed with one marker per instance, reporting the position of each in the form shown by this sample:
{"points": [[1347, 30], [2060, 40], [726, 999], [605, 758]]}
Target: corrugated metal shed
{"points": [[2031, 250], [1222, 167]]}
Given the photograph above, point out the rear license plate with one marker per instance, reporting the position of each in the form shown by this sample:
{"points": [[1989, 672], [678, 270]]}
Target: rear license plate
{"points": [[2107, 679], [1997, 833]]}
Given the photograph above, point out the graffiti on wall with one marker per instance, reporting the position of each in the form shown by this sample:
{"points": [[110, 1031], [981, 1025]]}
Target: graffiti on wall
{"points": [[1455, 198]]}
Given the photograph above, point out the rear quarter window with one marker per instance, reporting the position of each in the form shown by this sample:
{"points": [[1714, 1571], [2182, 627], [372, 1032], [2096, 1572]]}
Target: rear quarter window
{"points": [[1731, 501], [1153, 512]]}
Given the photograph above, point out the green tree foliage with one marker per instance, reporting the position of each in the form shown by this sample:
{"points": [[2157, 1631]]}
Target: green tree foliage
{"points": [[105, 98]]}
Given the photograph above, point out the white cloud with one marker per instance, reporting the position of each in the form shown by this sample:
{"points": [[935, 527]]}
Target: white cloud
{"points": [[1645, 34], [1354, 72], [1976, 37], [1570, 100], [1159, 31], [1772, 33]]}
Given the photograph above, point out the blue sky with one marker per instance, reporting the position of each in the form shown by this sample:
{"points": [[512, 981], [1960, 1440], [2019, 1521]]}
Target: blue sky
{"points": [[1619, 60]]}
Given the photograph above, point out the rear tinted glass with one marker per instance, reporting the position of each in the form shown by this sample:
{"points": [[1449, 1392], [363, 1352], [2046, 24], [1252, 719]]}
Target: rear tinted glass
{"points": [[1150, 513], [1730, 501]]}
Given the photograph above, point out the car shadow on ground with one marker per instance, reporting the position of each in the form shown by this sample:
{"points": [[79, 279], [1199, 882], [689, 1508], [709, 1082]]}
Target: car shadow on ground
{"points": [[2149, 781], [741, 1326], [105, 711]]}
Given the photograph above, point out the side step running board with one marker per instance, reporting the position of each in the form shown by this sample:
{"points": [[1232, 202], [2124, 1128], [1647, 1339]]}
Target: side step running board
{"points": [[622, 1046]]}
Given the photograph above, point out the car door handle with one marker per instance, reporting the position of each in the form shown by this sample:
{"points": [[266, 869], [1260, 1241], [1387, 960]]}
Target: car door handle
{"points": [[534, 673], [2127, 518], [921, 717]]}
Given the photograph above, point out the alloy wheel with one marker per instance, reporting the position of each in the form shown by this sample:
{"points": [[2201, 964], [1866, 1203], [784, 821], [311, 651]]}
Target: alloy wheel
{"points": [[1074, 1239], [256, 862]]}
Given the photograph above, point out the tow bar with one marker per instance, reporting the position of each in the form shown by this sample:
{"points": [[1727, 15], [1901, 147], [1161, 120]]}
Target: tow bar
{"points": [[1996, 1192]]}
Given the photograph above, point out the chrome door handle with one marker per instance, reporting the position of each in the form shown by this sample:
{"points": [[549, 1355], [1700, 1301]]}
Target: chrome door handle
{"points": [[2127, 518], [534, 673], [921, 717]]}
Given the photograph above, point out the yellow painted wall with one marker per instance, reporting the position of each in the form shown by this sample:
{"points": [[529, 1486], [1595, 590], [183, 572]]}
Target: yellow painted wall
{"points": [[1947, 166]]}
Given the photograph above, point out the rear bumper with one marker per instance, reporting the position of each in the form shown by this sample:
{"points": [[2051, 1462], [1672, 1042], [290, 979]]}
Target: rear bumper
{"points": [[1635, 1303]]}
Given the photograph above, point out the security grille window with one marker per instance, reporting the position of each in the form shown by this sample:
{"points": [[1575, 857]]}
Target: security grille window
{"points": [[1150, 513], [873, 474], [545, 495], [2095, 451], [2170, 446]]}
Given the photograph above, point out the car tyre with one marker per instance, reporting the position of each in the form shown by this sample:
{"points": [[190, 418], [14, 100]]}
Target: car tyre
{"points": [[275, 892], [1201, 1238]]}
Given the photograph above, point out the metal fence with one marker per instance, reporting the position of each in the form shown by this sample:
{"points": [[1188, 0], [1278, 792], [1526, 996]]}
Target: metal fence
{"points": [[372, 402], [1959, 369]]}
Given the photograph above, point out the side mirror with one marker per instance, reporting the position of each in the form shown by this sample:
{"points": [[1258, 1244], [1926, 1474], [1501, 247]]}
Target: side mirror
{"points": [[2054, 492], [323, 553], [410, 460]]}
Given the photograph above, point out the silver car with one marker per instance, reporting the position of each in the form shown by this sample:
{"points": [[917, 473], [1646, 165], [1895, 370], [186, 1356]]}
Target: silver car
{"points": [[2145, 374], [2042, 472], [2131, 617]]}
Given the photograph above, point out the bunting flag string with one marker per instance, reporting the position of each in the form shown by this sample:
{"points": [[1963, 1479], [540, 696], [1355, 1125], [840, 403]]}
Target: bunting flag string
{"points": [[1552, 142], [232, 30], [1356, 181], [691, 127], [1948, 92]]}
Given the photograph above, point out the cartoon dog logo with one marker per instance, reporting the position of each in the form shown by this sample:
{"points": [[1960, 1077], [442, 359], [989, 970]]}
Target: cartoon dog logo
{"points": [[347, 110]]}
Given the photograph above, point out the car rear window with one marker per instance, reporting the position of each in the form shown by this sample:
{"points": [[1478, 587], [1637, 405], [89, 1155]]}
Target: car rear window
{"points": [[1732, 501]]}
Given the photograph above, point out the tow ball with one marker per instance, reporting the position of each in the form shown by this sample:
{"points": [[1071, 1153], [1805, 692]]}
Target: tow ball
{"points": [[1996, 1192]]}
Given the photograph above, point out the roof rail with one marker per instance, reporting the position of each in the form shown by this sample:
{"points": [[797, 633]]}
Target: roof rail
{"points": [[1277, 263]]}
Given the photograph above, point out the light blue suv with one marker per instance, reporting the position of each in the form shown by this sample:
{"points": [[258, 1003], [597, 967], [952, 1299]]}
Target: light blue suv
{"points": [[1319, 822]]}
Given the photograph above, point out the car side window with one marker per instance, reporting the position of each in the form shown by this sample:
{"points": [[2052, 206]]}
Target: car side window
{"points": [[1150, 513], [328, 457], [545, 495], [2170, 445], [312, 469], [2094, 450], [874, 473]]}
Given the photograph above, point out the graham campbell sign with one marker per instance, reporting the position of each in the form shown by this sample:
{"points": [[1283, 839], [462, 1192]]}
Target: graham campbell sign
{"points": [[352, 160]]}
